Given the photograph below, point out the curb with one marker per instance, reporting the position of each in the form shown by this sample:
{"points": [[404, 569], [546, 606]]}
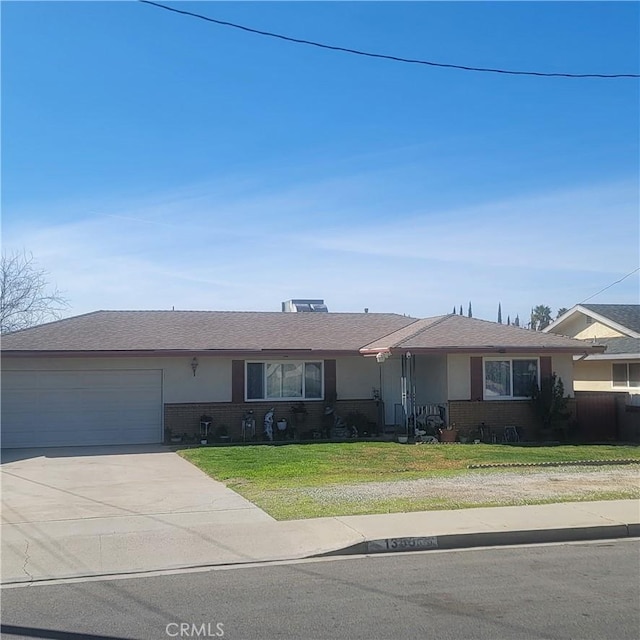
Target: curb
{"points": [[487, 539], [567, 463], [385, 545]]}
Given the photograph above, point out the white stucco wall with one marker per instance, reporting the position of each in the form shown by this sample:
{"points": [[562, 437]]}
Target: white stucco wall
{"points": [[594, 375], [212, 382], [577, 327], [562, 365], [459, 377], [597, 375], [438, 378], [356, 377], [391, 392], [431, 379]]}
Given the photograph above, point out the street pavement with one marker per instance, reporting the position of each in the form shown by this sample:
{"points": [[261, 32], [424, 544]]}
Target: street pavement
{"points": [[548, 592], [97, 513]]}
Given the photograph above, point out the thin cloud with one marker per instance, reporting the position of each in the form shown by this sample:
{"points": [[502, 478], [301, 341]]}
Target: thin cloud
{"points": [[195, 249]]}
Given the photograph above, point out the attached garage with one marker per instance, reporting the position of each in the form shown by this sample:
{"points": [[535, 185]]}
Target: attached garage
{"points": [[78, 408]]}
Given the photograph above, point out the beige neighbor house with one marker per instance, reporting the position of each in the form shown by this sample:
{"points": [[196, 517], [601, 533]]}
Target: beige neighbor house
{"points": [[606, 385], [125, 377]]}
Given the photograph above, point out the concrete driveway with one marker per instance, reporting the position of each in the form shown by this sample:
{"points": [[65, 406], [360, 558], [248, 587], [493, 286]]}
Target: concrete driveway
{"points": [[77, 511]]}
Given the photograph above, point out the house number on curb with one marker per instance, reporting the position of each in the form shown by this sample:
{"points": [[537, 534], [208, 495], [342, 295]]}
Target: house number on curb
{"points": [[403, 544]]}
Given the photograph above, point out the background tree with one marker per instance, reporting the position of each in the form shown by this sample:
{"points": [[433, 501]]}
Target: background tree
{"points": [[540, 317], [26, 298], [454, 310], [499, 313], [516, 322], [561, 311], [469, 313], [460, 309]]}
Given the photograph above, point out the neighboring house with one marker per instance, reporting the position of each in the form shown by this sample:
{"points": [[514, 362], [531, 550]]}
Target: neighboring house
{"points": [[607, 385], [117, 377]]}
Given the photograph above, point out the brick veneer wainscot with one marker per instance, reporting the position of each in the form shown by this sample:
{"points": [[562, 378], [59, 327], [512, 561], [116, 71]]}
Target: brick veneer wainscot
{"points": [[185, 417]]}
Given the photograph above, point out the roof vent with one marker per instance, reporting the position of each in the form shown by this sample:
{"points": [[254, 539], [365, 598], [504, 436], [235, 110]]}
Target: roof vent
{"points": [[299, 305]]}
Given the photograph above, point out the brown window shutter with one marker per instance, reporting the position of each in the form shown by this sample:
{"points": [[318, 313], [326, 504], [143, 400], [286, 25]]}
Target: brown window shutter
{"points": [[237, 381], [476, 378], [545, 367], [330, 393]]}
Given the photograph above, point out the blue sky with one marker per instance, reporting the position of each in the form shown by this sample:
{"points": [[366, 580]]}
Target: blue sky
{"points": [[152, 160]]}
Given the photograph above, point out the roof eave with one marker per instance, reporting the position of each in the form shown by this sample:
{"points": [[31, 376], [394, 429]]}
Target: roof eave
{"points": [[172, 353], [484, 349]]}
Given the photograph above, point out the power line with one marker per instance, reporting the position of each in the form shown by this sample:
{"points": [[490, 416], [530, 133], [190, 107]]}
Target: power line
{"points": [[611, 285], [394, 58]]}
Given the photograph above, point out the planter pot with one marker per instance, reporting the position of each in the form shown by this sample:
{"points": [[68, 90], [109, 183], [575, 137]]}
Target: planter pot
{"points": [[403, 439], [448, 435]]}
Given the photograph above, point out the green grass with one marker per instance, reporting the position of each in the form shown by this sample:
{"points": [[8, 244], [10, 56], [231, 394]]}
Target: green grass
{"points": [[272, 467], [283, 507], [268, 475]]}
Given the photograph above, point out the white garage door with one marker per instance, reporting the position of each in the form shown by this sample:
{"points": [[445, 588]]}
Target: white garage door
{"points": [[67, 408]]}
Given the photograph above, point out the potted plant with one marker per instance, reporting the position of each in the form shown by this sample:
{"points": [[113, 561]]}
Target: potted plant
{"points": [[299, 412], [222, 434], [450, 434], [169, 437]]}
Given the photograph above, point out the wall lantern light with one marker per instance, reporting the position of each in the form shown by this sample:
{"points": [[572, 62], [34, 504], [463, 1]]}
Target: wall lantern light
{"points": [[194, 365]]}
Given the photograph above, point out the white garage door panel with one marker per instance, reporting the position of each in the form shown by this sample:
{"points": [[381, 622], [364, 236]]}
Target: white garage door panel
{"points": [[66, 408]]}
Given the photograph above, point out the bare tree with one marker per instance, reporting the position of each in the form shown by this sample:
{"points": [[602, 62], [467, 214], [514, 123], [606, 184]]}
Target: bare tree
{"points": [[26, 298]]}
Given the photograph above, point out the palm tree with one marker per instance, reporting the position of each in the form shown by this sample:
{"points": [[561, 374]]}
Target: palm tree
{"points": [[561, 312], [540, 317]]}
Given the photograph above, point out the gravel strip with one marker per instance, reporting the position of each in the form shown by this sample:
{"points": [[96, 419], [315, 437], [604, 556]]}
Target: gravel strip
{"points": [[486, 487]]}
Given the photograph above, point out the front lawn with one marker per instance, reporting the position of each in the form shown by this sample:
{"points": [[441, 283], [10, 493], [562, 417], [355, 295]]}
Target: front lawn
{"points": [[281, 479]]}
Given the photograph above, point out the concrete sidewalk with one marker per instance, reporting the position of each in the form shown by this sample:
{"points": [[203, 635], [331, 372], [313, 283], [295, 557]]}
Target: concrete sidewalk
{"points": [[79, 548]]}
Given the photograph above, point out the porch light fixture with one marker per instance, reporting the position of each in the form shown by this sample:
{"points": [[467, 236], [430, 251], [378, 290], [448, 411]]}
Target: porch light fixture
{"points": [[381, 357], [194, 366]]}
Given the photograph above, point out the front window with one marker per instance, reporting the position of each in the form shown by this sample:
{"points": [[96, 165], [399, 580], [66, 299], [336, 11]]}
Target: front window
{"points": [[507, 378], [284, 380], [626, 375]]}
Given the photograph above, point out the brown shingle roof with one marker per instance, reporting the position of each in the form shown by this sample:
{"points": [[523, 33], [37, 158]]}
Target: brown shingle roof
{"points": [[206, 330], [160, 331], [455, 333]]}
